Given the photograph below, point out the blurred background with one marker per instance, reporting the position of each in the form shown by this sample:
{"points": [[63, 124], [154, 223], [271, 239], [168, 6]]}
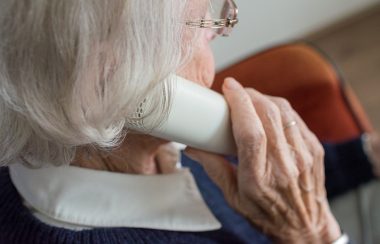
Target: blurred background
{"points": [[347, 30]]}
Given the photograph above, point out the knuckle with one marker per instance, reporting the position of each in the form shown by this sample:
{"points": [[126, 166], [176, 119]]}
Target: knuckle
{"points": [[282, 101], [272, 108], [317, 153], [260, 136], [273, 112], [319, 150], [311, 137], [306, 162], [315, 147], [283, 104], [248, 140], [255, 136], [251, 144]]}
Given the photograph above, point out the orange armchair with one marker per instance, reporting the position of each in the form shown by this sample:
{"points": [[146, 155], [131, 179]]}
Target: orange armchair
{"points": [[311, 83]]}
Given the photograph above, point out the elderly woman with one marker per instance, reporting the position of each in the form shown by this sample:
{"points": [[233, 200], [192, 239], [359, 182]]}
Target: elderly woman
{"points": [[72, 73]]}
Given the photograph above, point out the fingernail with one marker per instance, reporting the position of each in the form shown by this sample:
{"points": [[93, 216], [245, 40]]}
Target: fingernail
{"points": [[232, 84]]}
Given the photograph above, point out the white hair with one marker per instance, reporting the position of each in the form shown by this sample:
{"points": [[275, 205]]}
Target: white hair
{"points": [[72, 71]]}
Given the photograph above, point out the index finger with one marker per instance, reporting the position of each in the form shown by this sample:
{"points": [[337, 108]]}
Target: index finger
{"points": [[247, 128]]}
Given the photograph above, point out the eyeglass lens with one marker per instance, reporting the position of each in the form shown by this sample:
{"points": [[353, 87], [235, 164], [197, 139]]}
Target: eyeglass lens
{"points": [[222, 10]]}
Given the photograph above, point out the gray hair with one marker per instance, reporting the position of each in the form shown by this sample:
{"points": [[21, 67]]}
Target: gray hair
{"points": [[72, 71]]}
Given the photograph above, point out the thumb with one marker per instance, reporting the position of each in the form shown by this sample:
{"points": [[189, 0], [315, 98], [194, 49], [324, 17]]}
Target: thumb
{"points": [[222, 172]]}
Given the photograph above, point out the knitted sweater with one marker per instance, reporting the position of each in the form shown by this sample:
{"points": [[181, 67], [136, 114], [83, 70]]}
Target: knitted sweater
{"points": [[18, 225]]}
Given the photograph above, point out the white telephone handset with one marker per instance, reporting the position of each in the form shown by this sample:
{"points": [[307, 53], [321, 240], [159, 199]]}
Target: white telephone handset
{"points": [[198, 117]]}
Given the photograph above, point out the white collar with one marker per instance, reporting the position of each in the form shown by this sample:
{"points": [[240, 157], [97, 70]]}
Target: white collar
{"points": [[70, 196]]}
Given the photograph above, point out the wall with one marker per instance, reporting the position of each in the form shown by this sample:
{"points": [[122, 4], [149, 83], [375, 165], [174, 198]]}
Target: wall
{"points": [[266, 22]]}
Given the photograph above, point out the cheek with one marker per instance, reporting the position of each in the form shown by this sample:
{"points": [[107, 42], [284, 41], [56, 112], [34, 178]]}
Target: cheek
{"points": [[201, 68], [206, 65]]}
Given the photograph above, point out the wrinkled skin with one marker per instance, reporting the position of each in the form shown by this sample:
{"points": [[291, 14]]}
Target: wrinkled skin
{"points": [[279, 181]]}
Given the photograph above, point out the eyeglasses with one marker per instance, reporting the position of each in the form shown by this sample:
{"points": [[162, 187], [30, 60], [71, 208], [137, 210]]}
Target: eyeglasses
{"points": [[222, 17]]}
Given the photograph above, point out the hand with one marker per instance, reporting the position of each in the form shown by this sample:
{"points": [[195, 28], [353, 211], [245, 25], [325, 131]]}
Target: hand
{"points": [[279, 181]]}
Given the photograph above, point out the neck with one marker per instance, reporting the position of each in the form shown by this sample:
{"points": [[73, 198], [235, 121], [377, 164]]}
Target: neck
{"points": [[138, 154]]}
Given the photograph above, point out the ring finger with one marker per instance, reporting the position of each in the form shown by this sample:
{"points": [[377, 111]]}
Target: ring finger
{"points": [[300, 148]]}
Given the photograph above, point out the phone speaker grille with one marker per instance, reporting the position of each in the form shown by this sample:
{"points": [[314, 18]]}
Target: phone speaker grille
{"points": [[136, 121]]}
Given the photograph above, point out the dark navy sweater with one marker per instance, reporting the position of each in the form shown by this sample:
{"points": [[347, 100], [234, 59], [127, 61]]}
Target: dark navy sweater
{"points": [[346, 167], [18, 225]]}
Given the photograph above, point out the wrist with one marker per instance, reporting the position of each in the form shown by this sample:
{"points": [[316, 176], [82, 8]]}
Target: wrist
{"points": [[331, 231]]}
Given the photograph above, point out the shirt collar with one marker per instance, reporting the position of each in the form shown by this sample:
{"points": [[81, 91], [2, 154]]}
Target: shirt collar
{"points": [[91, 198]]}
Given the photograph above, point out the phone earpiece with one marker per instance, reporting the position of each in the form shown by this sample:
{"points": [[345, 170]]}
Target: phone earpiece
{"points": [[198, 117]]}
